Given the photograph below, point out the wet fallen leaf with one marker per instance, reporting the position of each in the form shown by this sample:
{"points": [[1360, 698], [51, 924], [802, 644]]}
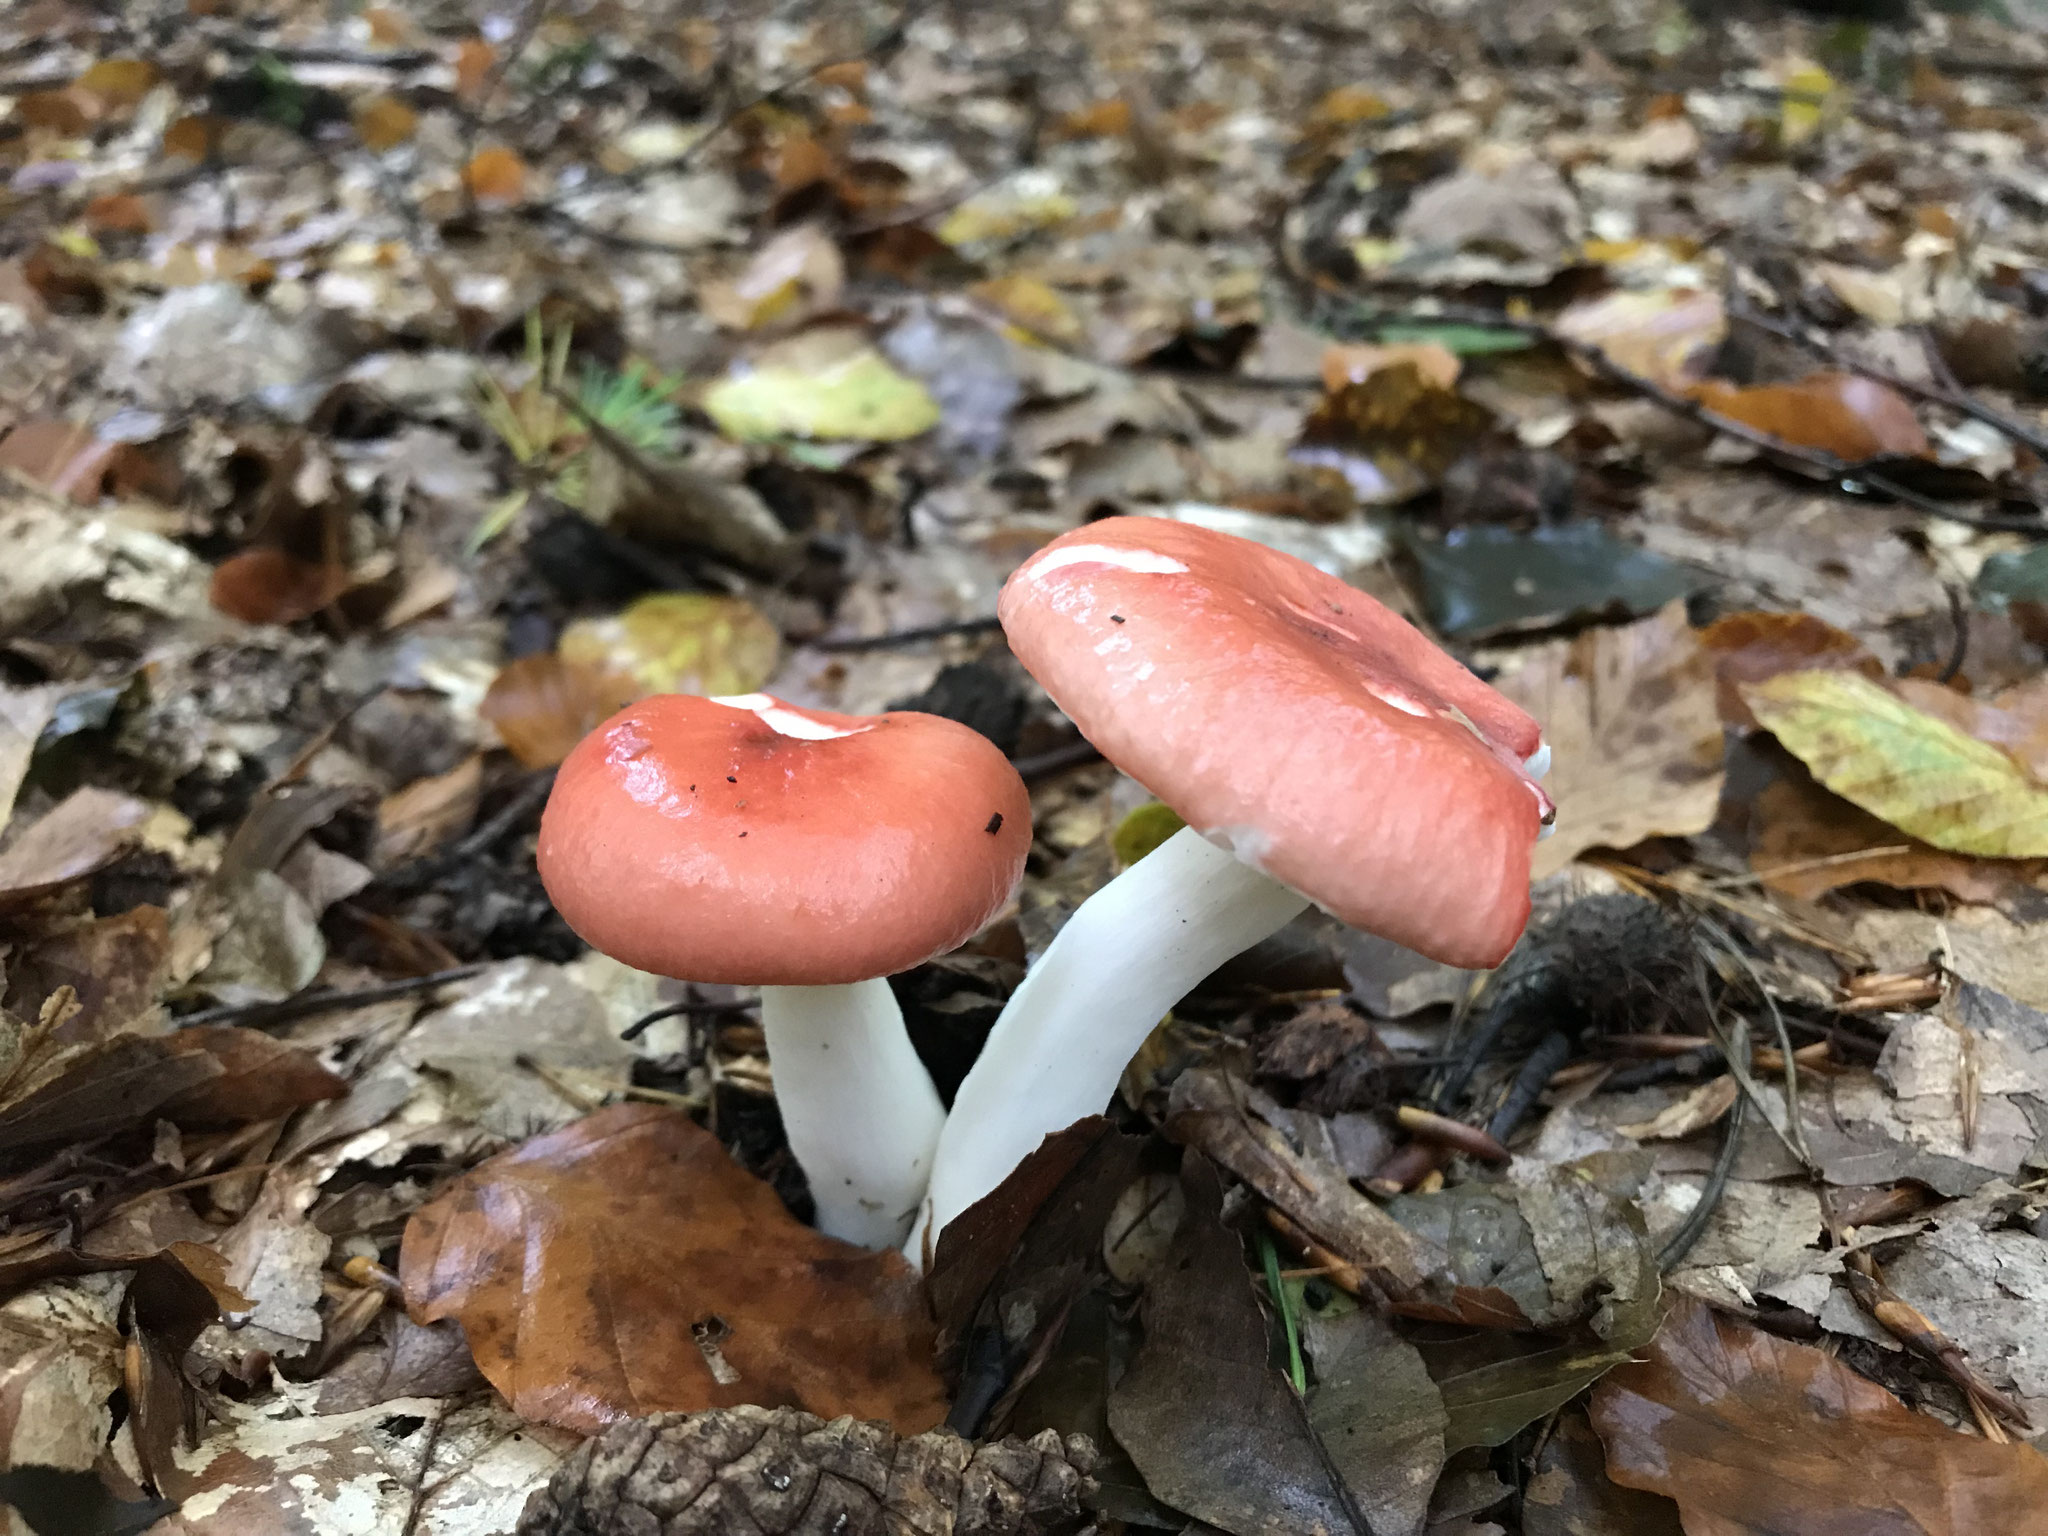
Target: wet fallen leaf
{"points": [[1845, 414], [824, 386], [678, 642], [1903, 765], [1665, 335], [1749, 647], [1753, 1434], [1485, 580], [1636, 737], [590, 1291]]}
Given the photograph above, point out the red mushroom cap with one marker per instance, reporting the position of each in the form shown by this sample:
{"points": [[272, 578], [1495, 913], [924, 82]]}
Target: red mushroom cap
{"points": [[746, 840], [1288, 716]]}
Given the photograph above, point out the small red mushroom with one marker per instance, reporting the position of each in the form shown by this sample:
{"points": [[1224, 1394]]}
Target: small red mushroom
{"points": [[745, 840], [1321, 749]]}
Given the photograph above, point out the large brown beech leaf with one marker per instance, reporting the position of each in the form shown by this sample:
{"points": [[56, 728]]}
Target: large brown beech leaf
{"points": [[1757, 1436], [626, 1265]]}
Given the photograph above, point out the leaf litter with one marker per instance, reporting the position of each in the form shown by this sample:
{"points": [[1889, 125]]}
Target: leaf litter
{"points": [[389, 397]]}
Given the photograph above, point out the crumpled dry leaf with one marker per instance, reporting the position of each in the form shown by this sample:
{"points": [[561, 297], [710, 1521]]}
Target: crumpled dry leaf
{"points": [[1749, 647], [1906, 766], [83, 832], [1845, 414], [590, 1291], [1636, 737], [1753, 1434], [60, 1365], [1806, 842]]}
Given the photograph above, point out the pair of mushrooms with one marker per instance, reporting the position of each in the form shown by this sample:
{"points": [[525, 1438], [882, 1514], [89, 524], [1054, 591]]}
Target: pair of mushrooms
{"points": [[1320, 749]]}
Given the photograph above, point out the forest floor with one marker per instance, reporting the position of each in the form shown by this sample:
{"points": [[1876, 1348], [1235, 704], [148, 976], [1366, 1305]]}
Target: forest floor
{"points": [[388, 394]]}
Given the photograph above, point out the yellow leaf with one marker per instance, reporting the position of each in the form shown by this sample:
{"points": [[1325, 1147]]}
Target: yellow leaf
{"points": [[857, 396], [119, 82], [1903, 765], [1030, 202], [1667, 335], [497, 175], [384, 122], [1035, 305], [678, 642], [1809, 99]]}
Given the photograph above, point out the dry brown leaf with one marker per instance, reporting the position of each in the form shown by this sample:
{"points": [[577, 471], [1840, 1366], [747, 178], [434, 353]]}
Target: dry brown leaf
{"points": [[1752, 1434], [496, 177], [1749, 647], [798, 273], [384, 122], [1845, 414], [626, 1265], [83, 832], [1636, 737], [270, 586], [1806, 841], [260, 1079], [119, 213], [427, 812], [541, 706], [474, 61], [1393, 435], [1356, 362]]}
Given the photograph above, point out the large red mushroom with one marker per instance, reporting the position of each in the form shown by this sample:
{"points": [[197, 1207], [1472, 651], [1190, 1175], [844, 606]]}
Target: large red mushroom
{"points": [[1321, 749], [745, 840]]}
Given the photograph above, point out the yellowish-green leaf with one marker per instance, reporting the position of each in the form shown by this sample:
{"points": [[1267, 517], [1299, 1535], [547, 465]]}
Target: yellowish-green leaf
{"points": [[679, 642], [1903, 765], [858, 397], [1143, 830]]}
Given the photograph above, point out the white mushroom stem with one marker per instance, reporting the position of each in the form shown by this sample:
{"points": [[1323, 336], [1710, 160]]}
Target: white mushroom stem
{"points": [[1133, 950], [859, 1109]]}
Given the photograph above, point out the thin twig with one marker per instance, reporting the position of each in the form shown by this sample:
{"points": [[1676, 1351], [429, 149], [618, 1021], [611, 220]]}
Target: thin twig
{"points": [[647, 1021], [326, 1000], [918, 636]]}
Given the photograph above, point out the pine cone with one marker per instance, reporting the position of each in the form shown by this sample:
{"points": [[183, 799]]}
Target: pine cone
{"points": [[779, 1472]]}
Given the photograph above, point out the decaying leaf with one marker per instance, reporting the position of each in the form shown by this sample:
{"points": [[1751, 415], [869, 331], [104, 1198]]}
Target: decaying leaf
{"points": [[83, 832], [1915, 771], [1481, 580], [60, 1365], [1636, 737], [541, 706], [626, 1265], [1753, 1434], [1572, 1495], [1245, 1462], [1393, 435], [1806, 841]]}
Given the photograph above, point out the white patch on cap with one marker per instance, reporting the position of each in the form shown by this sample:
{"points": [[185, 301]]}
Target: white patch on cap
{"points": [[1143, 561], [1403, 703], [1248, 845], [1537, 763], [783, 720]]}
